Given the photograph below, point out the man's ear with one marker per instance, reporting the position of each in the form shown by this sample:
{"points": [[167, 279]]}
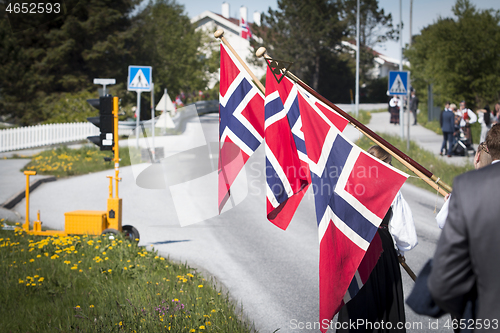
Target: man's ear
{"points": [[477, 157]]}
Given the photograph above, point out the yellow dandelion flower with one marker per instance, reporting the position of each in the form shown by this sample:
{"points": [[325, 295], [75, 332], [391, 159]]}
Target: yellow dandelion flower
{"points": [[125, 268], [200, 286], [91, 306], [202, 327], [41, 279], [109, 270]]}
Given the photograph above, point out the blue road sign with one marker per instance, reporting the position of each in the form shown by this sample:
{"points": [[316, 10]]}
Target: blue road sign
{"points": [[139, 78], [398, 83]]}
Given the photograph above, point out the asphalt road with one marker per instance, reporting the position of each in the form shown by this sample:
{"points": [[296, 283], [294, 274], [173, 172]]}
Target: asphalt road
{"points": [[270, 273]]}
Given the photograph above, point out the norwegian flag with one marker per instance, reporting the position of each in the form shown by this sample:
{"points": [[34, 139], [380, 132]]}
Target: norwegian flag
{"points": [[287, 169], [353, 191], [241, 121], [245, 30], [178, 101]]}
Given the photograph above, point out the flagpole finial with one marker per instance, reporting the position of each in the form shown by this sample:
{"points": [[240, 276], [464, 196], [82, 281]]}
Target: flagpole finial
{"points": [[260, 52], [219, 33]]}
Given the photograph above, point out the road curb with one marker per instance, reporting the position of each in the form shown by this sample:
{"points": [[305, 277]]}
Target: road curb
{"points": [[16, 198]]}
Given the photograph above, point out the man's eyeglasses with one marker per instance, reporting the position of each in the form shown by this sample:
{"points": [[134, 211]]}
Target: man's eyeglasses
{"points": [[482, 146]]}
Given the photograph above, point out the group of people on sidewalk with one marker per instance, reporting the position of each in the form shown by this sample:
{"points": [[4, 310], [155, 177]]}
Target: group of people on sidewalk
{"points": [[456, 126]]}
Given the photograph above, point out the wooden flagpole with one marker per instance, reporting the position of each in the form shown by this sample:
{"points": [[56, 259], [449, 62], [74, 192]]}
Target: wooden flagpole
{"points": [[407, 268], [220, 34], [419, 170]]}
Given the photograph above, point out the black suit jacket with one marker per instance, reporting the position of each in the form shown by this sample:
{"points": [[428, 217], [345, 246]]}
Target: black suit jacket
{"points": [[467, 258]]}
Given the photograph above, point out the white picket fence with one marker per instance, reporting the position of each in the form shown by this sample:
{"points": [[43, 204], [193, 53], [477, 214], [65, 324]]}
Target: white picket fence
{"points": [[43, 135]]}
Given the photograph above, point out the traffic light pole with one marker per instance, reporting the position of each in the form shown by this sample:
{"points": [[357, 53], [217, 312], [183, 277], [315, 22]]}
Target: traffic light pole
{"points": [[114, 211]]}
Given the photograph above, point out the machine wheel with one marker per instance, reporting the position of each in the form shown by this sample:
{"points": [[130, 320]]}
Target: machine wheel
{"points": [[130, 233], [110, 233]]}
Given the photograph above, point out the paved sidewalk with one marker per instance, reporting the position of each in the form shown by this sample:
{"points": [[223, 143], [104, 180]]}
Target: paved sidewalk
{"points": [[424, 137]]}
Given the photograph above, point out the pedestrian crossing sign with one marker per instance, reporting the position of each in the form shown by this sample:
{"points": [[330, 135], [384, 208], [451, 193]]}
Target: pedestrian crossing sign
{"points": [[398, 83], [139, 78]]}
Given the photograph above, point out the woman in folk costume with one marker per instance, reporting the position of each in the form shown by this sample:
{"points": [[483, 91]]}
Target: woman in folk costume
{"points": [[394, 110], [381, 300], [484, 118]]}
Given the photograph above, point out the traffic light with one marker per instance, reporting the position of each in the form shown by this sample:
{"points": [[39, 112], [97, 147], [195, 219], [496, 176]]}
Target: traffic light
{"points": [[104, 121]]}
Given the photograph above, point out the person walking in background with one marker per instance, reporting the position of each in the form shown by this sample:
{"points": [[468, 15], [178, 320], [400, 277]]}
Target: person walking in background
{"points": [[457, 129], [468, 118], [447, 121], [381, 297], [484, 118], [414, 106], [465, 265], [495, 114], [394, 110]]}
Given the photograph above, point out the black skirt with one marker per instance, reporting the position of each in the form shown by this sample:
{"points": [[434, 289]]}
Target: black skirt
{"points": [[380, 302], [394, 114]]}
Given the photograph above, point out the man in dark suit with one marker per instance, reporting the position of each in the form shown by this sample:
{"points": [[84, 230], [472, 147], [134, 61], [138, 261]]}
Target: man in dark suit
{"points": [[467, 258], [447, 121], [414, 106]]}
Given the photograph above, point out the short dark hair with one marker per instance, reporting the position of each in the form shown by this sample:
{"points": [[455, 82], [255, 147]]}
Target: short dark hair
{"points": [[380, 153], [493, 141]]}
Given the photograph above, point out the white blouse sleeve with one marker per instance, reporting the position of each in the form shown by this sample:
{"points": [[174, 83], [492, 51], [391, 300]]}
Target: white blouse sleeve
{"points": [[401, 226], [472, 116], [443, 214]]}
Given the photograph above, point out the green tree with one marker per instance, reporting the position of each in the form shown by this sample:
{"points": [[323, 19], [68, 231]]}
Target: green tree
{"points": [[42, 58], [459, 56], [45, 61], [375, 28], [303, 32], [172, 45]]}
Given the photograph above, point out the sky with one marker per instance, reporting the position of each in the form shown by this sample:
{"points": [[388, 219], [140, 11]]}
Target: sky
{"points": [[425, 12]]}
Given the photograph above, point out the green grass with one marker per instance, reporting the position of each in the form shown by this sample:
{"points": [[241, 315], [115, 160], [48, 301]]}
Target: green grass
{"points": [[94, 284], [447, 172], [364, 117], [378, 110], [64, 161]]}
